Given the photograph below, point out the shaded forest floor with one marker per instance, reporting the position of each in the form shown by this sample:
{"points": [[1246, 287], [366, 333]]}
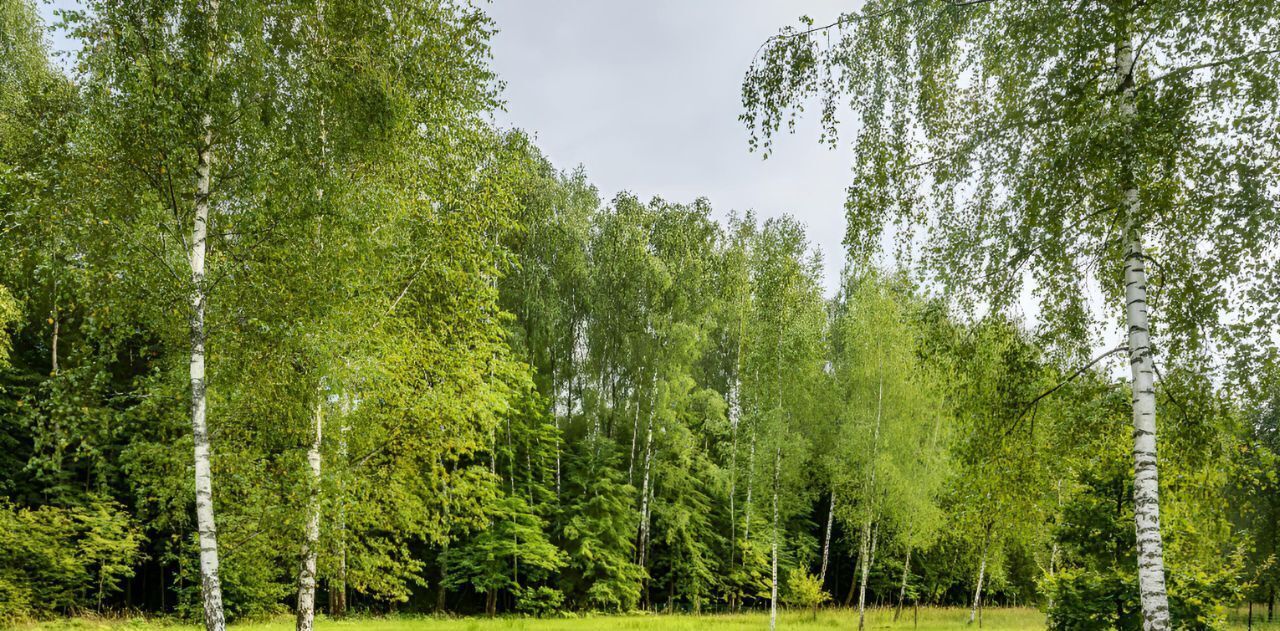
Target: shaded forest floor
{"points": [[929, 619]]}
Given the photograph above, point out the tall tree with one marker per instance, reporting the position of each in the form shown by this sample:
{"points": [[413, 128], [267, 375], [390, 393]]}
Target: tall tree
{"points": [[890, 456], [1064, 143], [198, 77], [784, 359]]}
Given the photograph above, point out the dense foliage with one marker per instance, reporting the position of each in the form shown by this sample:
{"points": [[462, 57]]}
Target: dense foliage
{"points": [[445, 375]]}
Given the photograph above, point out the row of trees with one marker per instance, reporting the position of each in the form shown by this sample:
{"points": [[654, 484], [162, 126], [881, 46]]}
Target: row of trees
{"points": [[289, 325], [1125, 148]]}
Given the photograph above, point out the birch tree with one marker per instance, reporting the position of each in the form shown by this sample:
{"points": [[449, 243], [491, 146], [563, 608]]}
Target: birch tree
{"points": [[153, 114], [784, 356], [1069, 146], [890, 458]]}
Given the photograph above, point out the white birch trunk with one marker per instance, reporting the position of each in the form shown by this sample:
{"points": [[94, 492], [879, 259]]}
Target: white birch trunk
{"points": [[53, 350], [871, 490], [555, 397], [733, 484], [210, 587], [773, 584], [635, 441], [751, 477], [644, 497], [869, 554], [338, 586], [826, 540], [982, 574], [902, 591], [1146, 494], [310, 544]]}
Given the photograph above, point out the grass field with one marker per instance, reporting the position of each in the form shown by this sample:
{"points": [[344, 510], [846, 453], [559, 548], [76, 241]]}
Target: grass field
{"points": [[932, 619]]}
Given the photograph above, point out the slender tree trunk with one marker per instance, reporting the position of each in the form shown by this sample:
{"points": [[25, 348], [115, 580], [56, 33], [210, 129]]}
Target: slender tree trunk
{"points": [[866, 571], [826, 540], [867, 537], [1146, 494], [491, 603], [773, 584], [902, 591], [853, 583], [338, 584], [863, 549], [733, 482], [53, 349], [751, 477], [210, 586], [982, 572], [441, 592], [644, 539], [635, 441], [311, 542], [1053, 567], [644, 498], [568, 405]]}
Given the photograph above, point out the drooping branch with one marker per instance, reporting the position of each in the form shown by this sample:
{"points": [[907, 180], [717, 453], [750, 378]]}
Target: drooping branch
{"points": [[1185, 70], [1031, 405], [850, 18]]}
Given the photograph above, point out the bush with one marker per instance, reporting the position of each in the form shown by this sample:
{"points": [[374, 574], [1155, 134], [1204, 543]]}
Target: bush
{"points": [[804, 590], [1095, 601], [1086, 600], [538, 601], [57, 560]]}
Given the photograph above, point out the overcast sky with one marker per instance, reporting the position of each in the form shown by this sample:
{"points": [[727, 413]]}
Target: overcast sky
{"points": [[646, 96]]}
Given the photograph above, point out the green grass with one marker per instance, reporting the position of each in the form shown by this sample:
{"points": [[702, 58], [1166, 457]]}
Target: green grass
{"points": [[930, 619]]}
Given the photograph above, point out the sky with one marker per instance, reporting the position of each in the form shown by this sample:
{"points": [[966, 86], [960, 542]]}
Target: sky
{"points": [[646, 97]]}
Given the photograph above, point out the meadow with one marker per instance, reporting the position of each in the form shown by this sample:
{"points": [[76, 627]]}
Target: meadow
{"points": [[928, 619]]}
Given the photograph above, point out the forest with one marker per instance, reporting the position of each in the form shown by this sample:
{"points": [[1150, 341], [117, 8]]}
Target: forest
{"points": [[289, 327]]}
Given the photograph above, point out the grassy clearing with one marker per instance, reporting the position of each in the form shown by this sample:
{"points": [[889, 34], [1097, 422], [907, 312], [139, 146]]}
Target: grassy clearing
{"points": [[930, 619]]}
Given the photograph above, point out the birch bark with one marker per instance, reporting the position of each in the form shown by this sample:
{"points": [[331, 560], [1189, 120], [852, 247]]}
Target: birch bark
{"points": [[1146, 494], [751, 477], [902, 591], [826, 541], [733, 475], [982, 574], [644, 497], [210, 586], [310, 545], [869, 554], [773, 584]]}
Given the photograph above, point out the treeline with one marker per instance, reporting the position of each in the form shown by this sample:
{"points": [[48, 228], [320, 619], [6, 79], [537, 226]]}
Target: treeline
{"points": [[290, 326]]}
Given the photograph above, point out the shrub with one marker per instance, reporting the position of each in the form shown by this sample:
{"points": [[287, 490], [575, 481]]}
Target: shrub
{"points": [[538, 601], [56, 560], [804, 590]]}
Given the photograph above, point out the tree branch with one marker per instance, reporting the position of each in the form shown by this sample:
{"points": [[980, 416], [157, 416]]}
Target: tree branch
{"points": [[850, 18], [1208, 64], [1079, 371]]}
